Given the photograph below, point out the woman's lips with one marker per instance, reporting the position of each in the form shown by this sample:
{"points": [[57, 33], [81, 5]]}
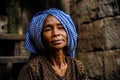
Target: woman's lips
{"points": [[57, 41]]}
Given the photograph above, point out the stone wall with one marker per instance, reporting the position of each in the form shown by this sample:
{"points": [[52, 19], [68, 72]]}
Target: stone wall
{"points": [[98, 25]]}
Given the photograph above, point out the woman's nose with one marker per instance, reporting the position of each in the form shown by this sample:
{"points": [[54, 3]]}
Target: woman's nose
{"points": [[55, 31]]}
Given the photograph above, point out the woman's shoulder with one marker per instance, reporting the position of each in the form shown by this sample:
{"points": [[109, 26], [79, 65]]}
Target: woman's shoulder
{"points": [[36, 60], [79, 64], [33, 64], [80, 68], [75, 60]]}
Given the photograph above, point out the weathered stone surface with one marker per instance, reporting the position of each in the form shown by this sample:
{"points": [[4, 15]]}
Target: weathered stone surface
{"points": [[102, 65], [98, 26], [112, 32], [91, 37], [88, 10], [99, 35]]}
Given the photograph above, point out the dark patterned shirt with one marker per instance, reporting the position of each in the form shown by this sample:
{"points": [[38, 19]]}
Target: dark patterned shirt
{"points": [[39, 68]]}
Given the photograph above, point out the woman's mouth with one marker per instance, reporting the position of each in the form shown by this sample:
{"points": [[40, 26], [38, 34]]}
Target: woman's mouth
{"points": [[57, 41]]}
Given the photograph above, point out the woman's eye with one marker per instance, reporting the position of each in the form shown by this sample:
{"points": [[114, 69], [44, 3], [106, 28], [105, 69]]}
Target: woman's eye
{"points": [[60, 26], [46, 29]]}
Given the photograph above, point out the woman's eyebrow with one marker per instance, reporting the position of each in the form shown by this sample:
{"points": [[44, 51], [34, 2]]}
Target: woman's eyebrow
{"points": [[47, 25]]}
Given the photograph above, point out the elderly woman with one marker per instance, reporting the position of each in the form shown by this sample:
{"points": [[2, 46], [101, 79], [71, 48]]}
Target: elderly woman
{"points": [[52, 37]]}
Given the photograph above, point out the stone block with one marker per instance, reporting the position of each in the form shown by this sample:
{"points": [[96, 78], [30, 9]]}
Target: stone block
{"points": [[102, 65], [112, 32], [91, 37], [89, 10]]}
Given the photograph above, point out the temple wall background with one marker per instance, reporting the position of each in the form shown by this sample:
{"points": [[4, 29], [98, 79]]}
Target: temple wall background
{"points": [[98, 25]]}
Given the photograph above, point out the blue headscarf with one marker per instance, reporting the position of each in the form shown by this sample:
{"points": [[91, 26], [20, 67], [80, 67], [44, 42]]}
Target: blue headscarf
{"points": [[33, 41]]}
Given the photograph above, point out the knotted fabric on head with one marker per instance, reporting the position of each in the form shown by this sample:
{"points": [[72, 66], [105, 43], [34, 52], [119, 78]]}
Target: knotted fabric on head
{"points": [[33, 41]]}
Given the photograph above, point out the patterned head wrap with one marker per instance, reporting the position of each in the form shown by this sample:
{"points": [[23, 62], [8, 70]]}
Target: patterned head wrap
{"points": [[33, 41]]}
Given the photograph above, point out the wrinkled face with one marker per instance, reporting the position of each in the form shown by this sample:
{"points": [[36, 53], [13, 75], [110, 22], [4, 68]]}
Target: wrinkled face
{"points": [[54, 34]]}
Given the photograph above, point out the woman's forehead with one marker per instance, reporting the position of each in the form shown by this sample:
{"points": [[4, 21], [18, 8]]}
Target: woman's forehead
{"points": [[51, 19]]}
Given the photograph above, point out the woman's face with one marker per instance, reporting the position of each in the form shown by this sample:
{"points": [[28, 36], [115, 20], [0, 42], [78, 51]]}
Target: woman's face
{"points": [[54, 34]]}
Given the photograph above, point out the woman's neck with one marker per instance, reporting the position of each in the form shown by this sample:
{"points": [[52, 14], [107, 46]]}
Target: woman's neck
{"points": [[57, 58], [58, 61]]}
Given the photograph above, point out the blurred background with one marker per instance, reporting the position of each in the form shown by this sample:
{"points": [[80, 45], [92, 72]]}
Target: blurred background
{"points": [[98, 27]]}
